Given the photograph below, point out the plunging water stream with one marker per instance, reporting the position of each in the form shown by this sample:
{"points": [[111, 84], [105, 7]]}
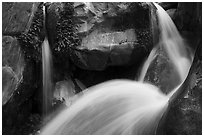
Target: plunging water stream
{"points": [[47, 77], [123, 106]]}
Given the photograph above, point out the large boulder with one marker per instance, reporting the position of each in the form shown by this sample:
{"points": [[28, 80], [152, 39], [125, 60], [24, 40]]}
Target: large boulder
{"points": [[100, 34], [65, 91], [168, 5], [21, 45], [185, 113], [162, 73], [189, 16], [17, 17], [13, 65]]}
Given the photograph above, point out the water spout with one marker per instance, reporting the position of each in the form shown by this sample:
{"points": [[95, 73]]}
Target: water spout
{"points": [[173, 43], [47, 77], [47, 73]]}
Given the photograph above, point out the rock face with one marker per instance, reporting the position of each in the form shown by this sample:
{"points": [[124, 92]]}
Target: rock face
{"points": [[189, 16], [22, 37], [13, 66], [162, 73], [65, 91], [185, 114], [105, 34], [19, 14]]}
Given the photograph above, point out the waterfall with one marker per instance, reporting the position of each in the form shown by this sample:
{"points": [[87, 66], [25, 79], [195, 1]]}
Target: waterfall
{"points": [[147, 63], [124, 106], [173, 43], [47, 78], [47, 74]]}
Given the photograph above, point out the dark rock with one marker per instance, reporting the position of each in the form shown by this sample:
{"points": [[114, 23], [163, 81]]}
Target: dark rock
{"points": [[20, 53], [12, 55], [32, 39], [66, 90], [90, 78], [61, 30], [189, 17], [168, 5], [13, 65], [185, 114], [171, 13], [162, 73], [9, 83], [16, 17], [107, 25], [20, 105]]}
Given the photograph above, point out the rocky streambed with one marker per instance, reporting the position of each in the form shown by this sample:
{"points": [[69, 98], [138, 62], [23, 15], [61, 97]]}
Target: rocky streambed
{"points": [[92, 43]]}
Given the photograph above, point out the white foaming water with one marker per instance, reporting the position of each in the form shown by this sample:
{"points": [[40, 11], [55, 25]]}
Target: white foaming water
{"points": [[47, 82], [122, 106]]}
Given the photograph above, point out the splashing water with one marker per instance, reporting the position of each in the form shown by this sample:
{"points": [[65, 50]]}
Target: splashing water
{"points": [[123, 106], [47, 82]]}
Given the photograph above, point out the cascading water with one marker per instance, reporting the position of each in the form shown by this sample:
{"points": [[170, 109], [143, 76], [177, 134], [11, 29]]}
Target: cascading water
{"points": [[122, 106], [147, 63], [47, 82], [47, 77], [173, 43]]}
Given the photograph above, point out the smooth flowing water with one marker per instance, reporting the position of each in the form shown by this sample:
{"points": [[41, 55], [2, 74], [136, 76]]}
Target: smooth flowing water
{"points": [[147, 63], [47, 77], [174, 45], [124, 106]]}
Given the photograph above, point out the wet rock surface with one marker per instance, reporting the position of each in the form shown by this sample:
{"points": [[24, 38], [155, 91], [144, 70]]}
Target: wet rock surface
{"points": [[185, 114], [162, 73]]}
